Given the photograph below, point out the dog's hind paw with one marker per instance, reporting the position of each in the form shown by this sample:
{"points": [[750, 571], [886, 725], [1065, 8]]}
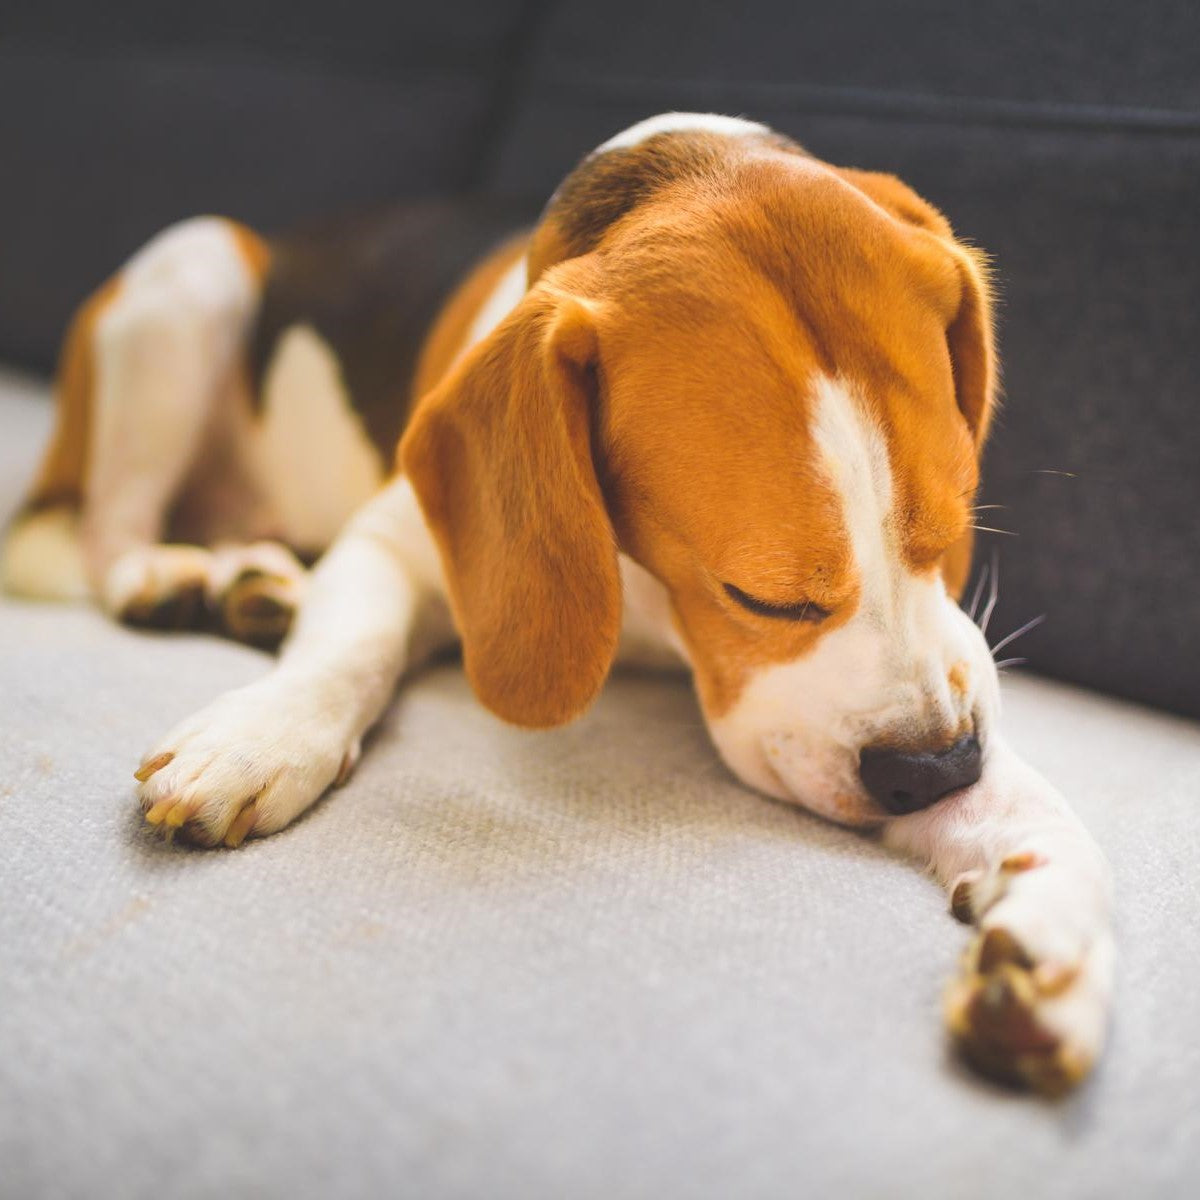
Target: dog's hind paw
{"points": [[159, 587], [255, 592]]}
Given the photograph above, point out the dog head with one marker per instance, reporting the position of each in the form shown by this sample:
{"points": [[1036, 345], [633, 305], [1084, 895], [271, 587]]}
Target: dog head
{"points": [[767, 381]]}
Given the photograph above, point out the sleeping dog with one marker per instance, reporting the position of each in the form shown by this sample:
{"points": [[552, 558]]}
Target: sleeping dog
{"points": [[722, 406]]}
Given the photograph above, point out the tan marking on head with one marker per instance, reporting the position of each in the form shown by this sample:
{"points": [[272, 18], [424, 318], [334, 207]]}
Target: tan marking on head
{"points": [[900, 311], [609, 185], [722, 277], [970, 340], [735, 292], [713, 478]]}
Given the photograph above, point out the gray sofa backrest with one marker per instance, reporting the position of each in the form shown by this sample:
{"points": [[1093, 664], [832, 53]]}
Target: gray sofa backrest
{"points": [[1064, 138]]}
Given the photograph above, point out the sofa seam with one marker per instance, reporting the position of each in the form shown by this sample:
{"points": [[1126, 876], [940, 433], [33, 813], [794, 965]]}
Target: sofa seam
{"points": [[908, 107]]}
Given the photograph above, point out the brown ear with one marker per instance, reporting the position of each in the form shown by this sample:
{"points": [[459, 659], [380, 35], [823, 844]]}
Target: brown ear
{"points": [[896, 197], [971, 339], [500, 456], [969, 333]]}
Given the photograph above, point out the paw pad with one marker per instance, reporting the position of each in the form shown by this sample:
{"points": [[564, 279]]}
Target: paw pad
{"points": [[961, 906], [258, 607], [994, 1011], [179, 609], [998, 946]]}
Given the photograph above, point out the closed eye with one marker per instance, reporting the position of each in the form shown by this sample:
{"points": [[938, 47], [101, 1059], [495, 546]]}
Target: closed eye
{"points": [[805, 611]]}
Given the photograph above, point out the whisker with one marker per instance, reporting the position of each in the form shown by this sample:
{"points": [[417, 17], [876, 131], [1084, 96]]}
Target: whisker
{"points": [[993, 594], [978, 595], [1016, 633], [1051, 471], [987, 507], [992, 529], [1011, 662]]}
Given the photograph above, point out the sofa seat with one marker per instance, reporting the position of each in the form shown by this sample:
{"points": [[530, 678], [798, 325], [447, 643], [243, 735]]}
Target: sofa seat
{"points": [[584, 963]]}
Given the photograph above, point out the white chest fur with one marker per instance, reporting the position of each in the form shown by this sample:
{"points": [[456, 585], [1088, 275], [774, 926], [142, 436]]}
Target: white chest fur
{"points": [[312, 454]]}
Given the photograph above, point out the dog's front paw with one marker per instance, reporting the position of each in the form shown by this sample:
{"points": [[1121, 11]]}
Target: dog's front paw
{"points": [[1030, 1004], [246, 765]]}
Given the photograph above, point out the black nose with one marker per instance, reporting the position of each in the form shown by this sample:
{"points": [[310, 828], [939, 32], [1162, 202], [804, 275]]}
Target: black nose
{"points": [[903, 782]]}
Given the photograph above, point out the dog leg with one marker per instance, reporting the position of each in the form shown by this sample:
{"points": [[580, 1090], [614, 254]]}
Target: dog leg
{"points": [[257, 757], [163, 349], [1030, 1003]]}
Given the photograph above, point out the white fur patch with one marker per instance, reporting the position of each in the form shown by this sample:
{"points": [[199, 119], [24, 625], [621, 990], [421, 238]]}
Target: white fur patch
{"points": [[855, 457], [681, 122], [648, 635], [314, 458]]}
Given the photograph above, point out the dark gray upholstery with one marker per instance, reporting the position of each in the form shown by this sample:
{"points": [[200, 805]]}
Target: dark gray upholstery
{"points": [[1063, 138], [122, 118]]}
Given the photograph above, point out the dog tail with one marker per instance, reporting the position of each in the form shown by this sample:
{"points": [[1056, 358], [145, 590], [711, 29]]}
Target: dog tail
{"points": [[42, 553]]}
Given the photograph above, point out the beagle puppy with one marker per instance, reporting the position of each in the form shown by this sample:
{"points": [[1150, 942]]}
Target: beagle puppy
{"points": [[723, 406]]}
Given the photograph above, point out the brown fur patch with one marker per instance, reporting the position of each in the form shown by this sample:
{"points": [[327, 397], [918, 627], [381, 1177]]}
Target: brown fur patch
{"points": [[62, 478], [606, 187], [956, 564]]}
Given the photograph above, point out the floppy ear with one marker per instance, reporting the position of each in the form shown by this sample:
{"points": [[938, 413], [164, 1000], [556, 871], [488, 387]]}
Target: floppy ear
{"points": [[971, 340], [969, 334], [500, 456], [972, 343]]}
